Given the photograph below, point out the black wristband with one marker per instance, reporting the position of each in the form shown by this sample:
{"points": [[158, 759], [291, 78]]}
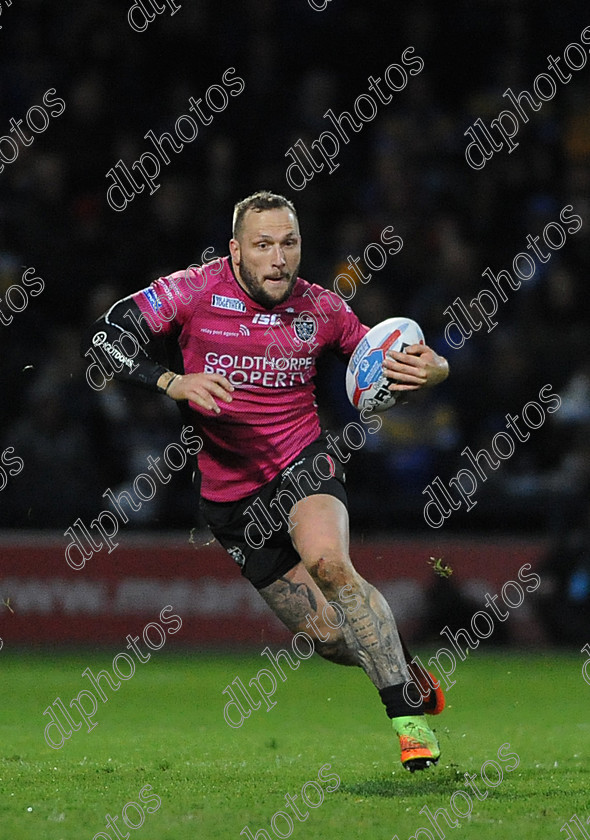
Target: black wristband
{"points": [[164, 390], [170, 381]]}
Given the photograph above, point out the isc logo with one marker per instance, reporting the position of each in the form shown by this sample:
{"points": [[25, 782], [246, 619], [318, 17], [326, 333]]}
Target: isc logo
{"points": [[266, 318]]}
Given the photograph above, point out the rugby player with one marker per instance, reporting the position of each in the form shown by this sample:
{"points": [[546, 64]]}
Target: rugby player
{"points": [[255, 409]]}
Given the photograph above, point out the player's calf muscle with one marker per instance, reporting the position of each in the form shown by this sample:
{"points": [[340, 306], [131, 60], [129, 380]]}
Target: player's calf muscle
{"points": [[337, 650], [372, 634], [304, 610]]}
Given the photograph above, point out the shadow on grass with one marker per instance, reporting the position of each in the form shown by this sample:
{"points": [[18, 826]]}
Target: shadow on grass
{"points": [[530, 785], [431, 781]]}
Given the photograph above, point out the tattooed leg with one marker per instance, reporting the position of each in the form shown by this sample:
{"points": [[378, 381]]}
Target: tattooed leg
{"points": [[372, 632], [320, 536], [299, 603]]}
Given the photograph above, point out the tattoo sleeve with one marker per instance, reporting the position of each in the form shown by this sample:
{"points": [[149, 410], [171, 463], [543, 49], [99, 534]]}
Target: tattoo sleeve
{"points": [[291, 601], [296, 605], [372, 633], [368, 638]]}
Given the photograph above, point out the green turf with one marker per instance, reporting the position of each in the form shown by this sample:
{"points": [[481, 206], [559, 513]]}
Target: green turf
{"points": [[165, 727]]}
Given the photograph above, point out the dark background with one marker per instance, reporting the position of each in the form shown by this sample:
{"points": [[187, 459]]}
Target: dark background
{"points": [[406, 169]]}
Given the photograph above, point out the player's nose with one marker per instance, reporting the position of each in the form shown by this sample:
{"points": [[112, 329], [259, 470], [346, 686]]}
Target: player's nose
{"points": [[278, 256]]}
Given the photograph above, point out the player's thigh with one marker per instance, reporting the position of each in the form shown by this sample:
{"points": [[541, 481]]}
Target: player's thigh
{"points": [[301, 605], [320, 534]]}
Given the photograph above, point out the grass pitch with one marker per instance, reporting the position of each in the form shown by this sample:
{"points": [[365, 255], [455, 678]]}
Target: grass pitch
{"points": [[165, 727]]}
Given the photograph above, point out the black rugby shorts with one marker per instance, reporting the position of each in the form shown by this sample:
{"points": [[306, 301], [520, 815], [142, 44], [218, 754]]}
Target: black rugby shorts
{"points": [[265, 553]]}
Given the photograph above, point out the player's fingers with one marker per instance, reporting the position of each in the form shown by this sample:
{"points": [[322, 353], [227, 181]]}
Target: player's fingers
{"points": [[416, 349], [410, 378], [398, 386], [218, 390], [221, 380], [204, 399], [405, 372], [395, 357]]}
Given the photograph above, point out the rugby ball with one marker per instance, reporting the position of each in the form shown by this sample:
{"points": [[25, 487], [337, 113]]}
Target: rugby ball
{"points": [[366, 385]]}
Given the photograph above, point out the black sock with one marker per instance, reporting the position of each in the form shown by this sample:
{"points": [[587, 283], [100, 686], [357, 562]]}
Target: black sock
{"points": [[396, 705]]}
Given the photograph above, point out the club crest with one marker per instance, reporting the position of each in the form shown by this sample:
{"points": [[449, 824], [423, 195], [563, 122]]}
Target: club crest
{"points": [[305, 326]]}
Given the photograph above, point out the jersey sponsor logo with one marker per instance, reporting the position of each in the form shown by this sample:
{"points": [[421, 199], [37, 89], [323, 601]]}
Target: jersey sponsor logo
{"points": [[266, 318], [243, 330], [258, 370], [222, 302], [305, 327], [99, 339], [242, 362], [153, 299]]}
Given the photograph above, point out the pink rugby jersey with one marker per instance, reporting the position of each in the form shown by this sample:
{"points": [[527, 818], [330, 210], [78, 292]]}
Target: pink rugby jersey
{"points": [[269, 356]]}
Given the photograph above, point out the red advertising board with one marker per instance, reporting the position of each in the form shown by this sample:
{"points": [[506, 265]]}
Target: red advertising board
{"points": [[50, 603]]}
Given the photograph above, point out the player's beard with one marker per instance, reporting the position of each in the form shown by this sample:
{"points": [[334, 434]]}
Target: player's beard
{"points": [[255, 286]]}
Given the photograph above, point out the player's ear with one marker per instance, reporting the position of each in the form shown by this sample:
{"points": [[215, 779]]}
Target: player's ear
{"points": [[234, 249]]}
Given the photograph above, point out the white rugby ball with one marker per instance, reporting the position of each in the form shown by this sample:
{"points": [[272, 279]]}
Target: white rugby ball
{"points": [[366, 385]]}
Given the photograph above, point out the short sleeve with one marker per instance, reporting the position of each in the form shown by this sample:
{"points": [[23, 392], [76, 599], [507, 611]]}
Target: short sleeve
{"points": [[343, 328], [349, 333], [168, 301]]}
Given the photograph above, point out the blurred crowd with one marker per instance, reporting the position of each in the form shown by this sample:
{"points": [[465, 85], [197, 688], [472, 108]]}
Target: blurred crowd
{"points": [[405, 169]]}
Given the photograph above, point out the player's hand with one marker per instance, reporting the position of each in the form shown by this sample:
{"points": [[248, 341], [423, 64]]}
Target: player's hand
{"points": [[201, 388], [417, 367]]}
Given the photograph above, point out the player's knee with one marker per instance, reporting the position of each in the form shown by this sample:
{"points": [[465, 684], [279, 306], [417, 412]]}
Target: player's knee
{"points": [[331, 570]]}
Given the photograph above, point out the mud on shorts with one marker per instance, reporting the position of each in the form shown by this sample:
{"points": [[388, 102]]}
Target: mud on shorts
{"points": [[264, 551]]}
